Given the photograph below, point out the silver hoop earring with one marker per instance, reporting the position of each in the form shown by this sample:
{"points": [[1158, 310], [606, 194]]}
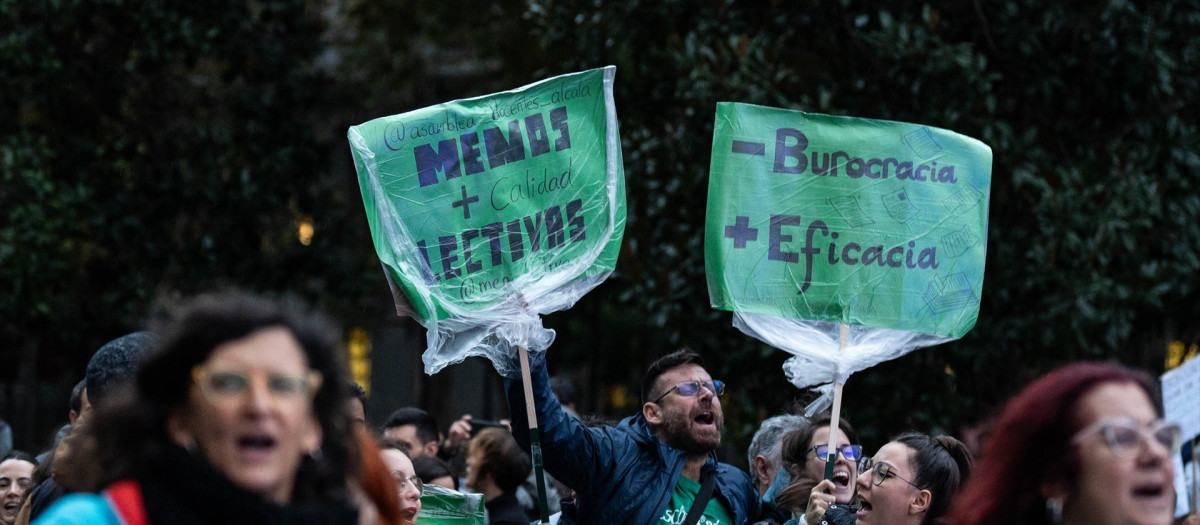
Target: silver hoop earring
{"points": [[1054, 510]]}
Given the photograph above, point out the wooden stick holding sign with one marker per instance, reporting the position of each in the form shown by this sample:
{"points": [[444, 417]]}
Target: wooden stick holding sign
{"points": [[832, 451], [535, 442], [1195, 478], [819, 222], [544, 174]]}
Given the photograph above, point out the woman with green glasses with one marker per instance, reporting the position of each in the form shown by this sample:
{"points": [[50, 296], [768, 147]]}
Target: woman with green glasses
{"points": [[805, 452], [1084, 444], [911, 480]]}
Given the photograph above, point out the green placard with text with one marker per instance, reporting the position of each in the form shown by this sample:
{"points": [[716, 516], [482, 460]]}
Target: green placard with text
{"points": [[848, 220], [476, 201]]}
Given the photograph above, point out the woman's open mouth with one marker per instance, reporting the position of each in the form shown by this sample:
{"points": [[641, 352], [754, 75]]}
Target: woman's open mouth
{"points": [[864, 508], [1153, 493], [841, 479], [254, 446]]}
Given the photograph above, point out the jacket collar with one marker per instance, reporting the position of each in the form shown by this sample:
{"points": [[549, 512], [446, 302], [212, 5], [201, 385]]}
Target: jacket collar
{"points": [[637, 427]]}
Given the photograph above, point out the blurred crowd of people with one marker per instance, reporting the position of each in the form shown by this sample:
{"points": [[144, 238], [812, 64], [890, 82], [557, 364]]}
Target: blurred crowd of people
{"points": [[235, 408]]}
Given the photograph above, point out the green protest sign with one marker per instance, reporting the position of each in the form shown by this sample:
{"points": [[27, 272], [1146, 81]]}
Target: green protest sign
{"points": [[847, 220], [474, 202], [490, 211]]}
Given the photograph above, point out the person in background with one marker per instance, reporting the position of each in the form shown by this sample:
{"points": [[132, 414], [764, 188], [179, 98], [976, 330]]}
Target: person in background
{"points": [[435, 471], [405, 482], [372, 487], [16, 477], [415, 427], [496, 465], [912, 480], [564, 390], [805, 454], [78, 401], [237, 418], [1084, 444], [357, 403], [76, 404], [71, 464], [765, 458], [527, 493]]}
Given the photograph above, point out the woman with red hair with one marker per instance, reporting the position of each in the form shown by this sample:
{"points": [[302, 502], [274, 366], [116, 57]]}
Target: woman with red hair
{"points": [[1084, 444]]}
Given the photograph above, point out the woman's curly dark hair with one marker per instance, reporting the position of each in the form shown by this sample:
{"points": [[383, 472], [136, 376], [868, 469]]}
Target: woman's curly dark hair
{"points": [[133, 433]]}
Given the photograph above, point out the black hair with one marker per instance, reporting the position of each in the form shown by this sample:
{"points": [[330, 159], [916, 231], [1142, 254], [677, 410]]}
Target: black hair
{"points": [[20, 455], [357, 391], [940, 465], [563, 389], [77, 396], [402, 446], [134, 435], [424, 423], [795, 457], [429, 468], [794, 451], [680, 357], [115, 364]]}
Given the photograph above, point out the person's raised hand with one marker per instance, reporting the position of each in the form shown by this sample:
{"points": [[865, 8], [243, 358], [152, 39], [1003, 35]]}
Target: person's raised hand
{"points": [[459, 434], [818, 501]]}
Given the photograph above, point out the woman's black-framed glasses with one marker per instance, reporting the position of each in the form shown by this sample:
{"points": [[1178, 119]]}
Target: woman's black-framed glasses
{"points": [[850, 452], [691, 388], [881, 472]]}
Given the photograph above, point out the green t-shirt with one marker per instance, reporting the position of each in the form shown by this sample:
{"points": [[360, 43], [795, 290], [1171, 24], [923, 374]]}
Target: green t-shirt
{"points": [[715, 513]]}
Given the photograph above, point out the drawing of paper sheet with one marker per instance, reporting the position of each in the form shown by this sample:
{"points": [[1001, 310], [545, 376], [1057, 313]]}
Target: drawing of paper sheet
{"points": [[847, 206], [921, 142], [959, 241], [953, 293], [964, 199], [899, 206]]}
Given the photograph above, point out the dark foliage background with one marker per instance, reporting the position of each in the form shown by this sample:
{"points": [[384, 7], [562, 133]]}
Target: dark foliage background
{"points": [[152, 149]]}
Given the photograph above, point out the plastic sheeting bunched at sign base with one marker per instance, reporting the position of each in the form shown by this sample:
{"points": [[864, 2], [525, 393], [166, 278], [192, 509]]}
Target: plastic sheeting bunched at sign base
{"points": [[817, 222], [442, 506], [487, 212]]}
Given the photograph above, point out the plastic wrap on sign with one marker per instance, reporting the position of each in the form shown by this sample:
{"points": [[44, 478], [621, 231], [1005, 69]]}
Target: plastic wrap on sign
{"points": [[815, 222], [442, 506], [489, 212]]}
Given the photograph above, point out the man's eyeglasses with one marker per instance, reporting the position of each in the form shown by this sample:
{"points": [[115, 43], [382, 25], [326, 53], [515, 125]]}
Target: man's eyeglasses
{"points": [[403, 482], [881, 472], [850, 452], [1125, 437], [221, 386], [691, 388]]}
